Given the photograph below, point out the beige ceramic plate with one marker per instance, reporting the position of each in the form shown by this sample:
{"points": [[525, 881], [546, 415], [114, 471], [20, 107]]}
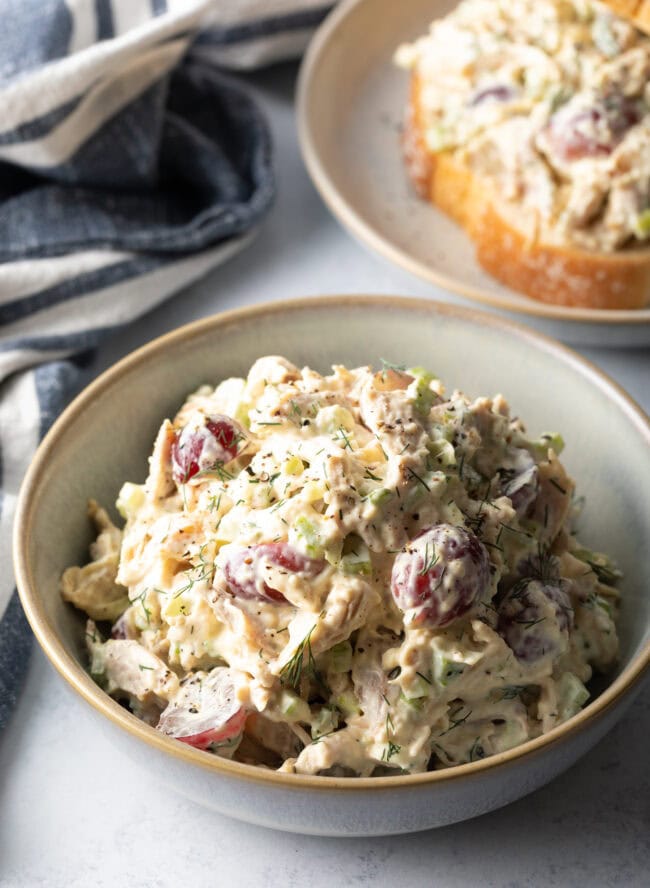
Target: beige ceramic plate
{"points": [[105, 436], [350, 107]]}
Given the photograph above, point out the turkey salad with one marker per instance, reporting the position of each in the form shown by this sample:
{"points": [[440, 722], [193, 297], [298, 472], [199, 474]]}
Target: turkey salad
{"points": [[351, 574]]}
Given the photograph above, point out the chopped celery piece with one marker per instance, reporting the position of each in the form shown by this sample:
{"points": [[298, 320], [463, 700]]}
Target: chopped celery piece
{"points": [[380, 495], [293, 707], [175, 606], [349, 566], [413, 702], [348, 704], [308, 537], [97, 655], [571, 696], [334, 418], [419, 687], [604, 568], [332, 553], [313, 491], [605, 605], [340, 657], [130, 499], [549, 440], [558, 96], [642, 224], [445, 669], [442, 452], [293, 466], [355, 558], [424, 397], [325, 721], [241, 415], [604, 36]]}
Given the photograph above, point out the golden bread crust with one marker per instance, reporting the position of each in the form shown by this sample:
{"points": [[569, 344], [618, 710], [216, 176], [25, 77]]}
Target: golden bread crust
{"points": [[507, 243], [636, 11]]}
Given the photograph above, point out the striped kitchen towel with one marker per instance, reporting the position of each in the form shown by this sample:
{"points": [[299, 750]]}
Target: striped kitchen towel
{"points": [[127, 151]]}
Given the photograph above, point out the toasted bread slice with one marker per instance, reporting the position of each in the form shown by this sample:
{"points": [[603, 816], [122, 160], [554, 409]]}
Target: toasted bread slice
{"points": [[509, 243], [636, 11]]}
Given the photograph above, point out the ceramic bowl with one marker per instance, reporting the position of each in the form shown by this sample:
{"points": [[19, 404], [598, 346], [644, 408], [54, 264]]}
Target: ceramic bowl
{"points": [[105, 436]]}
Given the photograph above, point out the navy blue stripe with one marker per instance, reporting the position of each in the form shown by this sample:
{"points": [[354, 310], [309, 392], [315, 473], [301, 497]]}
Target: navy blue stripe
{"points": [[66, 342], [39, 126], [293, 21], [222, 192], [105, 24], [81, 285], [158, 7], [55, 383], [15, 645]]}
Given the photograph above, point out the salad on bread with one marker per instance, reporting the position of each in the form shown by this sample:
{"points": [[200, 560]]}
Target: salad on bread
{"points": [[550, 100], [528, 123]]}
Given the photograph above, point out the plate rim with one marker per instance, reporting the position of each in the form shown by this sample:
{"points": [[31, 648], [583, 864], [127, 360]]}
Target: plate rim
{"points": [[345, 212], [619, 690]]}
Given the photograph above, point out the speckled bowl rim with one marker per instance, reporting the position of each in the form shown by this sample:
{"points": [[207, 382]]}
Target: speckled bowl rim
{"points": [[78, 679], [346, 212]]}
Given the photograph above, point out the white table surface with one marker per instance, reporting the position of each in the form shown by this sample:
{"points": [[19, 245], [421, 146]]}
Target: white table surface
{"points": [[76, 812]]}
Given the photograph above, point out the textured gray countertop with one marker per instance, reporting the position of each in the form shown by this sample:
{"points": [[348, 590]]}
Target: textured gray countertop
{"points": [[76, 812]]}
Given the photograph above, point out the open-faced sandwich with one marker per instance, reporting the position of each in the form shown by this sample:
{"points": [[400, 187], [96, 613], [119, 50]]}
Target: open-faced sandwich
{"points": [[529, 123]]}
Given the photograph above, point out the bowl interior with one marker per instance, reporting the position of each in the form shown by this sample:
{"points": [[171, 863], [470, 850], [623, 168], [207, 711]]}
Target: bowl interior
{"points": [[106, 435]]}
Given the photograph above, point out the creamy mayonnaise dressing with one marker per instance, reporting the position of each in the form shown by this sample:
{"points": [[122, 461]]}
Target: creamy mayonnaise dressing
{"points": [[549, 99], [347, 574]]}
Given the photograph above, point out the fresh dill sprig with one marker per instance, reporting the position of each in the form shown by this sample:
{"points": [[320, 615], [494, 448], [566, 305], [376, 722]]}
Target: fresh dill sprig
{"points": [[344, 437], [203, 570], [420, 480], [606, 575], [303, 657], [391, 748], [511, 692], [217, 468], [456, 722], [139, 599], [215, 502], [430, 560], [528, 624], [381, 447], [476, 752]]}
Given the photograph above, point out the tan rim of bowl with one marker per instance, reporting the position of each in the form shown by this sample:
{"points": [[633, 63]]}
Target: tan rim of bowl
{"points": [[340, 207], [74, 674]]}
